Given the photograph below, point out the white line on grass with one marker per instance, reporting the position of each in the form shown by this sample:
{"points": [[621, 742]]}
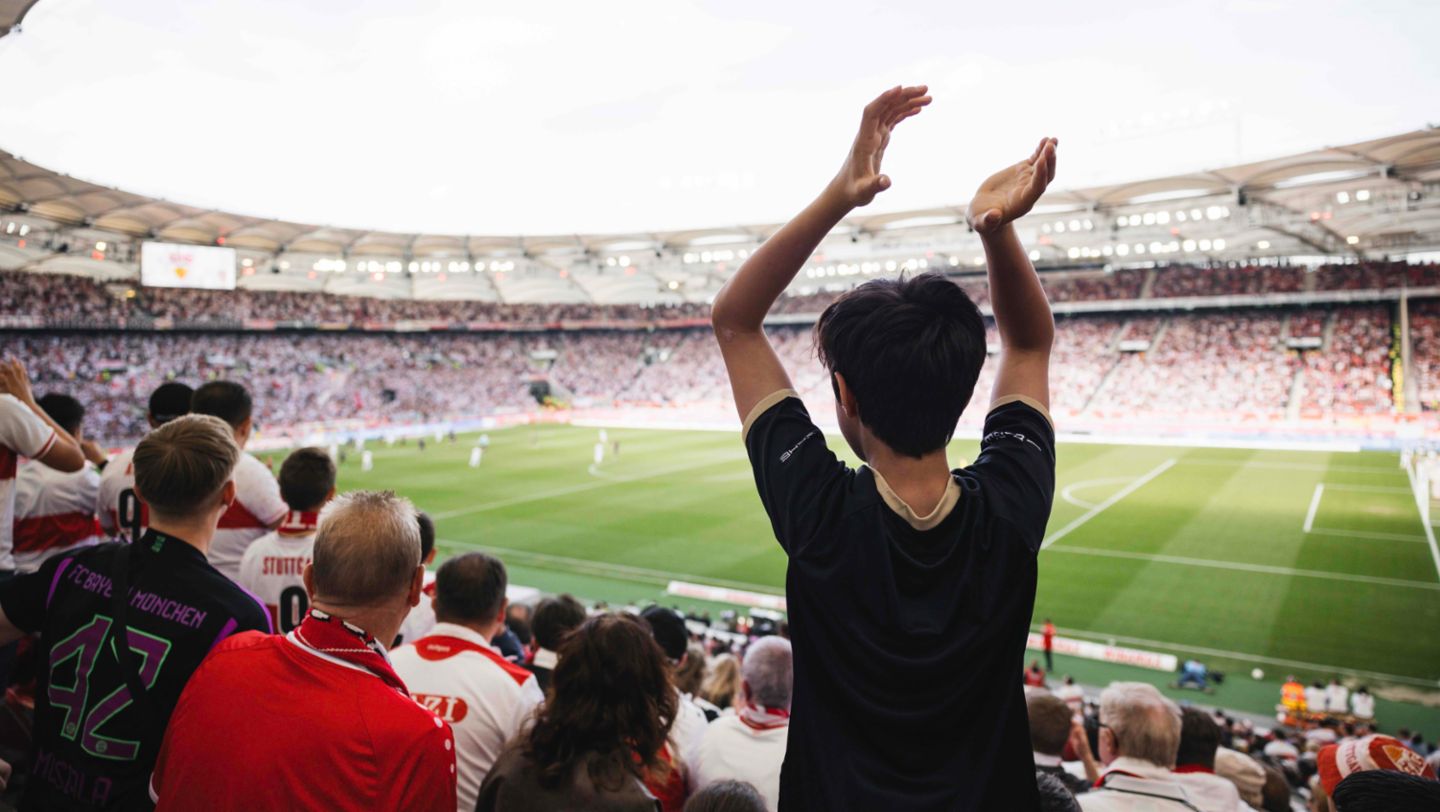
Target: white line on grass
{"points": [[1366, 534], [592, 567], [1241, 655], [1116, 497], [1424, 522], [1314, 506], [1264, 569], [569, 489], [1365, 488], [1068, 494], [1291, 466]]}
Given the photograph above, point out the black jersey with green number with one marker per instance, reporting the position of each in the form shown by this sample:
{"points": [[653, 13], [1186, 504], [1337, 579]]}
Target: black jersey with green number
{"points": [[909, 631], [95, 745]]}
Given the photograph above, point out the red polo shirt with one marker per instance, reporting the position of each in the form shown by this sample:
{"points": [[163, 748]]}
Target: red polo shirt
{"points": [[268, 722]]}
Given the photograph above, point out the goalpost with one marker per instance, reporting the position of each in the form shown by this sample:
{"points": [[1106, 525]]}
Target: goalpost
{"points": [[1422, 466]]}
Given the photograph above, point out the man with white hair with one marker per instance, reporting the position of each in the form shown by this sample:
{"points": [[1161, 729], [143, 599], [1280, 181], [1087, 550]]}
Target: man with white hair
{"points": [[1139, 737], [318, 719], [750, 746]]}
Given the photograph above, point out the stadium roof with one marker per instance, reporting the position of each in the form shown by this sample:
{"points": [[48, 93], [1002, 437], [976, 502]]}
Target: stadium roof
{"points": [[1407, 164]]}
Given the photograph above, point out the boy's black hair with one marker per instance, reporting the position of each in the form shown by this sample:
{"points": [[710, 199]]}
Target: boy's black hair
{"points": [[427, 533], [67, 412], [226, 400], [306, 478], [169, 401], [910, 351], [555, 618]]}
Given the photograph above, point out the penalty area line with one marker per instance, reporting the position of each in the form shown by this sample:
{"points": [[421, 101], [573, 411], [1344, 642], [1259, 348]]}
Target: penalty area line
{"points": [[1116, 497]]}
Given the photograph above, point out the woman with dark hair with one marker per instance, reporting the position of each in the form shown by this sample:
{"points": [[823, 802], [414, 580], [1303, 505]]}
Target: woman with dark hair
{"points": [[599, 741]]}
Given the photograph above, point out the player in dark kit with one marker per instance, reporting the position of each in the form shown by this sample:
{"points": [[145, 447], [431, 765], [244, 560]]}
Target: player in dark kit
{"points": [[910, 585], [101, 709]]}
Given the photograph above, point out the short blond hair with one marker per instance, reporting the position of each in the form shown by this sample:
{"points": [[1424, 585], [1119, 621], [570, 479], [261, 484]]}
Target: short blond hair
{"points": [[367, 546], [181, 466]]}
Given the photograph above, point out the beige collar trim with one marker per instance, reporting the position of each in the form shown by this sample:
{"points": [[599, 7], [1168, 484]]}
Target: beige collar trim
{"points": [[948, 501]]}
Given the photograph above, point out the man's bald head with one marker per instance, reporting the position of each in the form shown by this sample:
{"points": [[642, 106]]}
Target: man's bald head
{"points": [[367, 546]]}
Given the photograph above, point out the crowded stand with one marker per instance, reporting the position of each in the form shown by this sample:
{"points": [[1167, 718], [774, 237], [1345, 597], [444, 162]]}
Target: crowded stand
{"points": [[1143, 364], [1425, 335], [62, 300], [1227, 281], [1351, 374], [1211, 363]]}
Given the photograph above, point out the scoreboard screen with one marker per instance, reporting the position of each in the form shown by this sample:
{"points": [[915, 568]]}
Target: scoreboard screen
{"points": [[168, 265]]}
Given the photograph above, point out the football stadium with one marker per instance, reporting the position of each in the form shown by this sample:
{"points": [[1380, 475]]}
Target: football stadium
{"points": [[1129, 461]]}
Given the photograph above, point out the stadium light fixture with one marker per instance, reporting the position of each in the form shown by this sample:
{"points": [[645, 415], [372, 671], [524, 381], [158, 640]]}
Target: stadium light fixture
{"points": [[1162, 218], [1122, 250], [1219, 244], [1180, 216], [1342, 197], [1362, 195], [1196, 214], [100, 246], [1204, 245], [1188, 245], [1263, 245], [1352, 240]]}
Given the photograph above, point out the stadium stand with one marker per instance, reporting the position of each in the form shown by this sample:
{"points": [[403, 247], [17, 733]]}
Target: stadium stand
{"points": [[1106, 365]]}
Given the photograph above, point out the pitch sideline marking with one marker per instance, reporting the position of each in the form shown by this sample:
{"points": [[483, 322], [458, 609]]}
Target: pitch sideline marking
{"points": [[1264, 569], [569, 489], [592, 566], [1116, 497], [1366, 534], [1314, 506]]}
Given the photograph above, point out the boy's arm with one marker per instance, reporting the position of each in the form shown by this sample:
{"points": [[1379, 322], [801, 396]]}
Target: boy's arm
{"points": [[740, 306], [1022, 312]]}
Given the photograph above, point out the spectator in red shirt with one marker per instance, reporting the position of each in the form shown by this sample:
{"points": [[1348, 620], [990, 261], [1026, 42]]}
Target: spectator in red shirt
{"points": [[1034, 675], [317, 719], [1048, 633]]}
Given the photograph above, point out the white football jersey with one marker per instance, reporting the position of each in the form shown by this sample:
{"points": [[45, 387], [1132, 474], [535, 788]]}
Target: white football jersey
{"points": [[457, 674], [257, 508], [54, 512], [421, 618], [273, 568], [22, 434], [116, 498]]}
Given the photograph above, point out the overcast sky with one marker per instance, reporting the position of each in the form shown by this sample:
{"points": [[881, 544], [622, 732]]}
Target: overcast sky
{"points": [[576, 115]]}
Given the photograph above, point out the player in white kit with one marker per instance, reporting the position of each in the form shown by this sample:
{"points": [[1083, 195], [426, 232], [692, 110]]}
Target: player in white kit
{"points": [[257, 508], [120, 513], [273, 566]]}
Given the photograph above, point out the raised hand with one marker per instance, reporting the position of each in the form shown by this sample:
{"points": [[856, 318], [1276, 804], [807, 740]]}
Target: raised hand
{"points": [[15, 381], [1010, 193], [859, 179]]}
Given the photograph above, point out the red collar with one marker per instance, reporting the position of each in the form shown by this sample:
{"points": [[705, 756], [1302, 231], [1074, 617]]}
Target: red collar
{"points": [[1192, 768], [298, 523], [337, 638]]}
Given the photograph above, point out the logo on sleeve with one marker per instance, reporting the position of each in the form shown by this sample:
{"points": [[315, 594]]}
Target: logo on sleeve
{"points": [[788, 454], [1009, 435]]}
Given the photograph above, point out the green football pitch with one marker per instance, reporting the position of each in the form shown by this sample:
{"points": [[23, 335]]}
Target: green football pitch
{"points": [[1311, 563]]}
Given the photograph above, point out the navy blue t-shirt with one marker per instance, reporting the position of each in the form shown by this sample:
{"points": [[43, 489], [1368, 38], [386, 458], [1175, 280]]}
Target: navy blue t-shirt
{"points": [[908, 643]]}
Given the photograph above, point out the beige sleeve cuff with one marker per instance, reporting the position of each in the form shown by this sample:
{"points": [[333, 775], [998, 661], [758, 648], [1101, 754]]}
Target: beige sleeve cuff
{"points": [[1028, 401], [762, 407]]}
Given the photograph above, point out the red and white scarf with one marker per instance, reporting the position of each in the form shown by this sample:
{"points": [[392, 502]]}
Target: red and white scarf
{"points": [[345, 641], [759, 717]]}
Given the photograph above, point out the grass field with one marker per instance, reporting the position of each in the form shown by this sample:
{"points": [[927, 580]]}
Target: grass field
{"points": [[1305, 562]]}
